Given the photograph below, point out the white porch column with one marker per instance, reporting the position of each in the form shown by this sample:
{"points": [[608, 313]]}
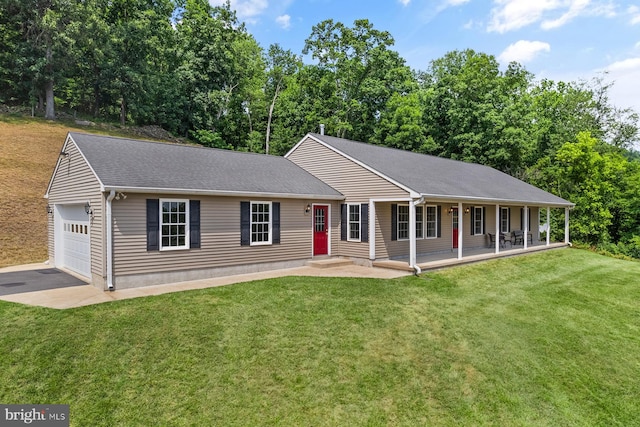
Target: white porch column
{"points": [[566, 225], [460, 229], [497, 229], [412, 234], [548, 225], [372, 230], [526, 226]]}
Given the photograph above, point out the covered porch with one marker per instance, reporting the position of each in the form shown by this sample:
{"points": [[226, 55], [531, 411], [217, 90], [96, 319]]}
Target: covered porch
{"points": [[434, 261], [431, 233]]}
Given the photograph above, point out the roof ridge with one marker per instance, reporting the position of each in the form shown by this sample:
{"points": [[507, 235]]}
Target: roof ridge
{"points": [[408, 152], [169, 143]]}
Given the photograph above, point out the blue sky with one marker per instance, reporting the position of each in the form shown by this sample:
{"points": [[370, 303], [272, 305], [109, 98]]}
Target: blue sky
{"points": [[557, 39]]}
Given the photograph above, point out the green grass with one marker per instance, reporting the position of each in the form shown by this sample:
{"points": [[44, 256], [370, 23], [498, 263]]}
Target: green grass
{"points": [[550, 339]]}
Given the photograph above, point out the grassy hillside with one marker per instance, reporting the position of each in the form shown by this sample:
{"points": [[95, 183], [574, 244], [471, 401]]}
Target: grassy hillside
{"points": [[548, 339], [28, 153]]}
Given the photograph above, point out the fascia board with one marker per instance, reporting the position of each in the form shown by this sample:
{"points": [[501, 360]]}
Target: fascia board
{"points": [[200, 192]]}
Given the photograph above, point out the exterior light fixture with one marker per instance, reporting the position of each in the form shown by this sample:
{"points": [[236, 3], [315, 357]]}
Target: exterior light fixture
{"points": [[49, 209], [466, 210], [307, 209], [64, 154], [87, 208]]}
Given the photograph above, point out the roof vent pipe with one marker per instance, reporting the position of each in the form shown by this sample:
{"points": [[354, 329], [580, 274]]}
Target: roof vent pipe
{"points": [[321, 129]]}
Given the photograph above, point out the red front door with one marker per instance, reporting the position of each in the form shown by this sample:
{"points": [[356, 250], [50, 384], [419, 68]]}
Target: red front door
{"points": [[320, 230], [454, 216]]}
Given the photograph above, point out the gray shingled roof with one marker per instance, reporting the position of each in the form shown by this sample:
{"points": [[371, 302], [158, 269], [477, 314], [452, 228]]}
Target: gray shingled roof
{"points": [[134, 164], [443, 178]]}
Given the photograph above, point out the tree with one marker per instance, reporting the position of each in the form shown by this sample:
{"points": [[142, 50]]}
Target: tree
{"points": [[36, 29], [588, 173], [474, 112], [281, 66], [362, 71]]}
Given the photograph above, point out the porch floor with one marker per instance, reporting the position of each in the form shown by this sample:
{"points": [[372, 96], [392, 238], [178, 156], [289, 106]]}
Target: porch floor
{"points": [[446, 259]]}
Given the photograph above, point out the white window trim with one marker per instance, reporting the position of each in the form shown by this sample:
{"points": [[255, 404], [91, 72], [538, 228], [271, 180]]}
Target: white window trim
{"points": [[349, 222], [187, 244], [435, 208], [268, 242], [418, 218], [398, 224], [481, 220], [504, 212]]}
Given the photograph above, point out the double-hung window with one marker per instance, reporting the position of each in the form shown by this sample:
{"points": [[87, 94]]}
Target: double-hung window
{"points": [[261, 223], [403, 222], [432, 222], [174, 224], [420, 222], [478, 220], [354, 223], [504, 220]]}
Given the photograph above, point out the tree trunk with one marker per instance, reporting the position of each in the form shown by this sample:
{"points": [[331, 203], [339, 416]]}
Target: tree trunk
{"points": [[123, 111], [50, 112], [271, 107]]}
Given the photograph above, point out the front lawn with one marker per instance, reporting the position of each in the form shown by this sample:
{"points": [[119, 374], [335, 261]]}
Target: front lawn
{"points": [[545, 339]]}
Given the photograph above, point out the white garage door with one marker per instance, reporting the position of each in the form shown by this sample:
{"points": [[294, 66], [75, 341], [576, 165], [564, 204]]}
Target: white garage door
{"points": [[76, 240]]}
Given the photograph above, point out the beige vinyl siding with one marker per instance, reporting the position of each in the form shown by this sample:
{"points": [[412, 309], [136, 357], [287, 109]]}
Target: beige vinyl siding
{"points": [[355, 182], [386, 247], [220, 236], [75, 183]]}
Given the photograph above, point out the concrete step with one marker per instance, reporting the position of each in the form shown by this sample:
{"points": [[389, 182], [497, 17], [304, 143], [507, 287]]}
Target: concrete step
{"points": [[393, 265], [329, 262]]}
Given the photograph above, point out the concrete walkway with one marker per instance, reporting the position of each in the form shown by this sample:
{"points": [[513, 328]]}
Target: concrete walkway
{"points": [[79, 296]]}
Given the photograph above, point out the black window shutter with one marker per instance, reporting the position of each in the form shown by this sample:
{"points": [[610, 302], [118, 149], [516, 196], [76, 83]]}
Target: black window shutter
{"points": [[364, 222], [394, 222], [439, 221], [245, 223], [343, 222], [194, 224], [509, 220], [275, 222], [521, 218], [153, 224], [472, 220]]}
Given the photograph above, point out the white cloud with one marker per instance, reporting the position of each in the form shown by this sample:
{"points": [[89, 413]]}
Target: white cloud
{"points": [[625, 91], [509, 15], [634, 11], [404, 2], [574, 10], [624, 66], [523, 51], [284, 21], [245, 8], [454, 3]]}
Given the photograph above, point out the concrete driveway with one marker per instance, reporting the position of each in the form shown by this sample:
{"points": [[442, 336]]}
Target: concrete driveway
{"points": [[18, 282]]}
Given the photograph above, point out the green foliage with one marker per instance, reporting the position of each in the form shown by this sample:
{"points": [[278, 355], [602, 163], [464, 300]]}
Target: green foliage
{"points": [[193, 69], [210, 139]]}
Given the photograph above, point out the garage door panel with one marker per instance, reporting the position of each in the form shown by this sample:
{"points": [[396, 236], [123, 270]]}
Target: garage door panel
{"points": [[77, 246]]}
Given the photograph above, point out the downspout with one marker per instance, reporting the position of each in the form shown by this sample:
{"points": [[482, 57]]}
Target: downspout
{"points": [[416, 269], [111, 196]]}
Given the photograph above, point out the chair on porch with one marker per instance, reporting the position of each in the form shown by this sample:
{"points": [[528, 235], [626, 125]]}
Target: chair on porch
{"points": [[518, 237], [492, 240]]}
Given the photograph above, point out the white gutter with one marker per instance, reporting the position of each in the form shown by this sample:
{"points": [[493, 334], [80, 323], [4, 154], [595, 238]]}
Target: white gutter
{"points": [[150, 190], [109, 224]]}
